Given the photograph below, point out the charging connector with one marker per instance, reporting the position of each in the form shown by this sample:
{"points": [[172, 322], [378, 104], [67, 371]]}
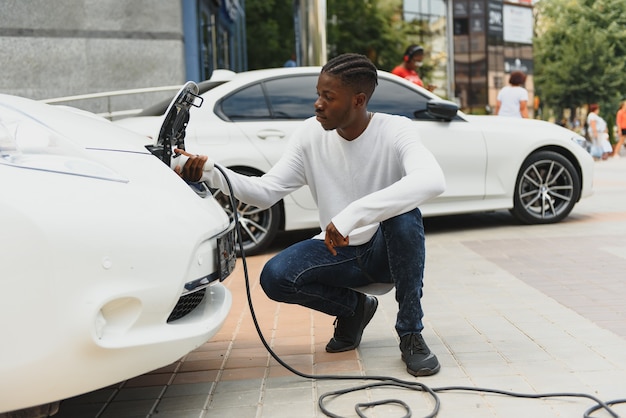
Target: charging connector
{"points": [[178, 160]]}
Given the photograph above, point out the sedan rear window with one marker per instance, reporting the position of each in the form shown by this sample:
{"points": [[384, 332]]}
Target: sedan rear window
{"points": [[292, 97], [248, 103], [289, 98], [396, 99]]}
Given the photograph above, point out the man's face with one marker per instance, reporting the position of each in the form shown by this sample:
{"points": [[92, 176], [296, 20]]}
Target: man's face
{"points": [[334, 107], [416, 61]]}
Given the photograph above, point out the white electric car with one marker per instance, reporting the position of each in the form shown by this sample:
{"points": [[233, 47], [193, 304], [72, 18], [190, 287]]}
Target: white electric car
{"points": [[110, 263], [535, 169]]}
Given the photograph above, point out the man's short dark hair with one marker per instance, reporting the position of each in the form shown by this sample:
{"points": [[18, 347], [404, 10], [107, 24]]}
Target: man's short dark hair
{"points": [[355, 71]]}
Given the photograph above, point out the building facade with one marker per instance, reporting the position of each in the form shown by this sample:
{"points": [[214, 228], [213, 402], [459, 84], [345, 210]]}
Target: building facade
{"points": [[431, 17], [71, 47], [215, 37], [474, 45], [491, 38]]}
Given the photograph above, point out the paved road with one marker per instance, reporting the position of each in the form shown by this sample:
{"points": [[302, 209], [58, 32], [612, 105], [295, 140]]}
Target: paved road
{"points": [[532, 309]]}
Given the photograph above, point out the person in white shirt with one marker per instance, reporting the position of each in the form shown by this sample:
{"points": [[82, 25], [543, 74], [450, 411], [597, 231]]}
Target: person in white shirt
{"points": [[513, 99], [368, 174], [598, 133]]}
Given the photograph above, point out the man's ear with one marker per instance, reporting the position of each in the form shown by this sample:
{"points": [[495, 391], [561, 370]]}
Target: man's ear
{"points": [[360, 100]]}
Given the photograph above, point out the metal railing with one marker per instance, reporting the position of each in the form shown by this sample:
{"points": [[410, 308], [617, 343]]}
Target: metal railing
{"points": [[110, 113]]}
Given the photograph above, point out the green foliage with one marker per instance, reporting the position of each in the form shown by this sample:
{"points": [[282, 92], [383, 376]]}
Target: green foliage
{"points": [[371, 27], [270, 33], [580, 52], [374, 28]]}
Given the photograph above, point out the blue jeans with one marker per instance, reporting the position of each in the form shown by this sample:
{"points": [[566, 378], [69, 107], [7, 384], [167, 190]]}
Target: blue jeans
{"points": [[307, 274]]}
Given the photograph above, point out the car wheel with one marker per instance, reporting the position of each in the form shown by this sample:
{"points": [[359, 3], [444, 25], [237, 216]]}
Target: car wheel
{"points": [[258, 226], [546, 190]]}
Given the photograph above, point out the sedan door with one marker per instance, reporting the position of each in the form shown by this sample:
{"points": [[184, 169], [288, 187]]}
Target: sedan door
{"points": [[459, 148], [285, 103]]}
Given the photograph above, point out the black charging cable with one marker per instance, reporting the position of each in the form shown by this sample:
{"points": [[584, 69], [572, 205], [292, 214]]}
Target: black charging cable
{"points": [[381, 381]]}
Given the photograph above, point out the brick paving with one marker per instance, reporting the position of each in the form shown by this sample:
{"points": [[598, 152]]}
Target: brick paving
{"points": [[533, 309]]}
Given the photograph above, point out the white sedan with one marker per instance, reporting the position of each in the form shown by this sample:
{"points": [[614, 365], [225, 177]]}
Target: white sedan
{"points": [[109, 260], [536, 169]]}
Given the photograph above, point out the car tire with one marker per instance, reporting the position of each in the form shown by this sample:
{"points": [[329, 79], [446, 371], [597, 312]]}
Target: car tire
{"points": [[258, 226], [546, 190]]}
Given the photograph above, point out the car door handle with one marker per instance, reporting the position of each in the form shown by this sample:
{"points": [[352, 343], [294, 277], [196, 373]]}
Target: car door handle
{"points": [[270, 133]]}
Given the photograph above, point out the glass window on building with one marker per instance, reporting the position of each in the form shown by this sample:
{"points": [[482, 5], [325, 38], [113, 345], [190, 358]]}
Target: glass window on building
{"points": [[431, 18], [214, 34], [488, 45]]}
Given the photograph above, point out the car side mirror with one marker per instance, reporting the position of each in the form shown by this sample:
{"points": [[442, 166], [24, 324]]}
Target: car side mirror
{"points": [[442, 109]]}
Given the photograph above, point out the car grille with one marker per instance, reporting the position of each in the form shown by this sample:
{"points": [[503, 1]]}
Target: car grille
{"points": [[186, 304]]}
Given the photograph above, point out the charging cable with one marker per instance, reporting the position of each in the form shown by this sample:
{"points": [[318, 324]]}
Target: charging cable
{"points": [[381, 381]]}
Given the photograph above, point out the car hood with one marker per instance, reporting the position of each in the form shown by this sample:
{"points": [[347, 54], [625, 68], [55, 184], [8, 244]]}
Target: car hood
{"points": [[536, 127], [67, 140], [25, 114]]}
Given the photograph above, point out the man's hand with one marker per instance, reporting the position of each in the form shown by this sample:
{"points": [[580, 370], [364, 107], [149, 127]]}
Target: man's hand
{"points": [[334, 239], [193, 168]]}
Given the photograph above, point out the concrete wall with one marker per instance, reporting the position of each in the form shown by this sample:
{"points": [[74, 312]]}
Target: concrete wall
{"points": [[52, 48]]}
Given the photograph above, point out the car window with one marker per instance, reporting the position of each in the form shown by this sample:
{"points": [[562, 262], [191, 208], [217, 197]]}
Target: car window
{"points": [[292, 97], [247, 103], [397, 99]]}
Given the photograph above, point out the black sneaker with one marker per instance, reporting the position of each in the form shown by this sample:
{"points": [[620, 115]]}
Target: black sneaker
{"points": [[349, 329], [417, 356]]}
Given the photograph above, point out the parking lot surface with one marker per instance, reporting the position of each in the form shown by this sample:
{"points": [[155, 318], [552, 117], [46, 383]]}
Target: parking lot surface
{"points": [[530, 309]]}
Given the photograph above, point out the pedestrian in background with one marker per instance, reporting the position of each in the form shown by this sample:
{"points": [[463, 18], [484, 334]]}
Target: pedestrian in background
{"points": [[598, 133], [513, 99], [291, 62], [412, 60], [620, 121]]}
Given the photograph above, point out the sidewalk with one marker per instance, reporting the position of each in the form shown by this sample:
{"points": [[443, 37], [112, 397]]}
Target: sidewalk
{"points": [[530, 309]]}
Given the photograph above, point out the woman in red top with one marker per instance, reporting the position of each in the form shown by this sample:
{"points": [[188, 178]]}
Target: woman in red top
{"points": [[620, 121]]}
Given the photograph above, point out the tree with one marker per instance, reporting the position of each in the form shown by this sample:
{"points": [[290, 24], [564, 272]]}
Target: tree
{"points": [[374, 28], [580, 51], [270, 35]]}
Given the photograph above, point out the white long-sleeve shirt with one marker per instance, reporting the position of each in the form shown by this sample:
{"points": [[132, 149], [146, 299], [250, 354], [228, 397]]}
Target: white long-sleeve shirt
{"points": [[357, 184]]}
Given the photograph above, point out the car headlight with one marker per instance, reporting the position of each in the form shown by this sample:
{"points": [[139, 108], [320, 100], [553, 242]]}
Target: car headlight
{"points": [[27, 143]]}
